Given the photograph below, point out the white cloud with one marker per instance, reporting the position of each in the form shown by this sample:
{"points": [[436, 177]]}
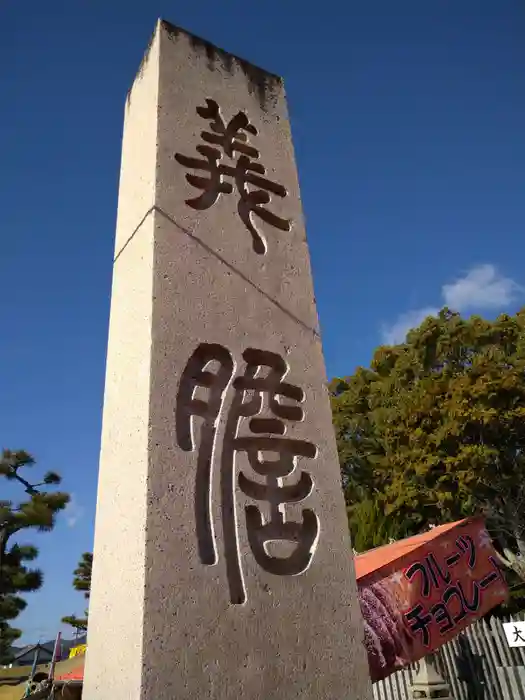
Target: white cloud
{"points": [[483, 287], [74, 511], [397, 331]]}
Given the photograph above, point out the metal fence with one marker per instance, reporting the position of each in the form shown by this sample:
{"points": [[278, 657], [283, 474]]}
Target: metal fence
{"points": [[478, 665]]}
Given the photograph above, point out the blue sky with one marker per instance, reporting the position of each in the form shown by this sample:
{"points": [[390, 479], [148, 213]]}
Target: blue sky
{"points": [[408, 126]]}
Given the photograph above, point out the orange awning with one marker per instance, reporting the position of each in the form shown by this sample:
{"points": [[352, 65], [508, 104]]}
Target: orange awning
{"points": [[419, 593], [375, 559]]}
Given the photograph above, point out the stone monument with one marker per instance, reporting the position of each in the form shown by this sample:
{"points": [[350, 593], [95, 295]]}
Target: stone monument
{"points": [[222, 561]]}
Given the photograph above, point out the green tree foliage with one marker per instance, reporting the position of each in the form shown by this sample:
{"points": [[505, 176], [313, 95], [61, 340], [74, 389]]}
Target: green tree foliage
{"points": [[38, 510], [16, 578], [8, 636], [434, 430], [82, 574], [80, 624], [81, 582], [375, 526]]}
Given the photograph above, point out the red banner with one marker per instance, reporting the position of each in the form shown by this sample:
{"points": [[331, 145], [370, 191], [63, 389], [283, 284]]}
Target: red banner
{"points": [[419, 593]]}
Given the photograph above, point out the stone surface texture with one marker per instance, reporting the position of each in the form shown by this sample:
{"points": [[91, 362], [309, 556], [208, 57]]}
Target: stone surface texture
{"points": [[162, 624]]}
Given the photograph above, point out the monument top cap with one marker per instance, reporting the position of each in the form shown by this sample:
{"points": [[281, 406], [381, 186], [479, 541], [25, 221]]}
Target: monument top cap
{"points": [[260, 81]]}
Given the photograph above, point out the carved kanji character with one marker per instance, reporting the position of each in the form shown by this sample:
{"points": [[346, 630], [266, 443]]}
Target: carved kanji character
{"points": [[196, 375], [232, 141], [211, 367], [252, 389]]}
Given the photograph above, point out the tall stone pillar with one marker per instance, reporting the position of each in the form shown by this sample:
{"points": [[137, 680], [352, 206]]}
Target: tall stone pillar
{"points": [[222, 562]]}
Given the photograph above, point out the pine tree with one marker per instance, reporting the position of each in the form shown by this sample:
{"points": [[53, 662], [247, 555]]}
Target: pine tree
{"points": [[81, 582], [38, 511]]}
